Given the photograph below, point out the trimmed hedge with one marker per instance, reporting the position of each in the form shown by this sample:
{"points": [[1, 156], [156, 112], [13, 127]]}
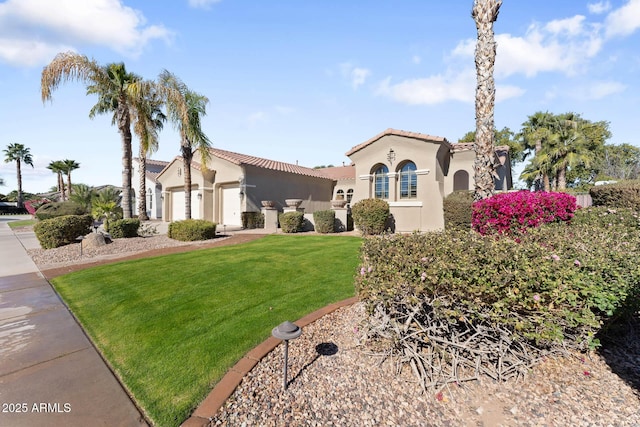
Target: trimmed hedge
{"points": [[552, 288], [190, 230], [324, 221], [62, 230], [124, 228], [457, 210], [624, 194], [252, 220], [56, 209], [291, 222], [371, 216]]}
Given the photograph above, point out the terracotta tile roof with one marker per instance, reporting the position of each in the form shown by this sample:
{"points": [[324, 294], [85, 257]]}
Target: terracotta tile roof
{"points": [[397, 132], [153, 168], [339, 172], [243, 159]]}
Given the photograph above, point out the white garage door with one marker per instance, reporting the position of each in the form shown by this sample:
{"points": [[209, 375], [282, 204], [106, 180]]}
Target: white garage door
{"points": [[177, 205], [231, 206]]}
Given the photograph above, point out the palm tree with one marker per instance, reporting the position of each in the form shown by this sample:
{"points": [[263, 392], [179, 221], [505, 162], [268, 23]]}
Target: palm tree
{"points": [[83, 195], [56, 167], [191, 135], [485, 13], [535, 134], [148, 120], [117, 89], [67, 167], [20, 154], [105, 206]]}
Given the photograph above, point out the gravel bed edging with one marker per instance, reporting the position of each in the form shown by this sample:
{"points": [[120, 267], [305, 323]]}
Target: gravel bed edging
{"points": [[205, 412]]}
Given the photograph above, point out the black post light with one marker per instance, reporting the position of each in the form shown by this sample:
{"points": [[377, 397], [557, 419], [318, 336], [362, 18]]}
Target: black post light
{"points": [[286, 331]]}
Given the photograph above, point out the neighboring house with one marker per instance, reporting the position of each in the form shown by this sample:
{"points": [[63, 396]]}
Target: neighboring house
{"points": [[234, 183], [153, 187], [413, 172]]}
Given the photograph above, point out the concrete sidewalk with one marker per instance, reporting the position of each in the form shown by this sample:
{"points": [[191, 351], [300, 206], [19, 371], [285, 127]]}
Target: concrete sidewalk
{"points": [[50, 373]]}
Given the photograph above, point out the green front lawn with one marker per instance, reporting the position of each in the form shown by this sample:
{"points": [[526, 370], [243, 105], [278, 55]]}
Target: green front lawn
{"points": [[172, 326], [22, 223]]}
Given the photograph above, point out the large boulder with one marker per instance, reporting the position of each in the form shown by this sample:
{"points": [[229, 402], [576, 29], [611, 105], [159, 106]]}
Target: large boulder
{"points": [[93, 240]]}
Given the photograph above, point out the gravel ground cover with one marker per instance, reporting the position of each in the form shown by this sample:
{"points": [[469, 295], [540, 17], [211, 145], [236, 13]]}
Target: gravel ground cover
{"points": [[336, 381]]}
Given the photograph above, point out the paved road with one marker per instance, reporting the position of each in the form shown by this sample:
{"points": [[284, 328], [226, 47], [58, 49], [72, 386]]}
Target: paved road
{"points": [[50, 374]]}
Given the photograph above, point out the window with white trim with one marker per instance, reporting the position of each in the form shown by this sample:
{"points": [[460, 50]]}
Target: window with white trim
{"points": [[381, 182], [408, 181]]}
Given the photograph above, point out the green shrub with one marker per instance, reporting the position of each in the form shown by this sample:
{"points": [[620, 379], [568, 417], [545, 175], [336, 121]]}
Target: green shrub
{"points": [[291, 222], [457, 210], [252, 220], [604, 217], [546, 290], [625, 194], [324, 221], [371, 216], [56, 209], [124, 228], [190, 230], [62, 230]]}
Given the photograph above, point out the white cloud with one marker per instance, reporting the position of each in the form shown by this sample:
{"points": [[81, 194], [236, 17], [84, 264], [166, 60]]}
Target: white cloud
{"points": [[53, 26], [202, 4], [623, 21], [599, 90], [598, 8], [356, 75], [256, 118], [29, 53], [430, 90]]}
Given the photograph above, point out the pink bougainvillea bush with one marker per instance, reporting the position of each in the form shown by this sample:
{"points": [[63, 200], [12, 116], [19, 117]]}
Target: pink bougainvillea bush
{"points": [[508, 213]]}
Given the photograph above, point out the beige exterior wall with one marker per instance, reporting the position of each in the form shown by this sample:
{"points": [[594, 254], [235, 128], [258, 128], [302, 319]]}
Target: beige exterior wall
{"points": [[424, 212], [251, 184]]}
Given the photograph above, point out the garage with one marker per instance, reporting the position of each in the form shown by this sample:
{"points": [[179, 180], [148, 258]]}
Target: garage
{"points": [[231, 211], [177, 205]]}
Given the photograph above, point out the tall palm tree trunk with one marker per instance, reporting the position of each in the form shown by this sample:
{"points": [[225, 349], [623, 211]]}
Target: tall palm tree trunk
{"points": [[124, 126], [187, 156], [20, 198], [484, 13], [142, 184]]}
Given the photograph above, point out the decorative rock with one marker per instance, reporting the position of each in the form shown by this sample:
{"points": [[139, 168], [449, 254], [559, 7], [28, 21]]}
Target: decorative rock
{"points": [[93, 240]]}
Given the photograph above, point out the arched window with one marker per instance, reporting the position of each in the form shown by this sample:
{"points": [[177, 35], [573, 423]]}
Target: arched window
{"points": [[461, 180], [349, 195], [408, 181], [381, 182], [340, 194]]}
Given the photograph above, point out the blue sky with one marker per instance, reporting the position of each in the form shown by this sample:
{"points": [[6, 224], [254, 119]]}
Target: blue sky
{"points": [[304, 81]]}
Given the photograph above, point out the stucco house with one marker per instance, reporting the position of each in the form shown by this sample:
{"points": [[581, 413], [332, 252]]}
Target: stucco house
{"points": [[153, 187], [413, 172], [233, 183]]}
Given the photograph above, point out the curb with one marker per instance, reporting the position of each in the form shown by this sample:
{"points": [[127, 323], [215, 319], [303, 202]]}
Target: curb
{"points": [[231, 380]]}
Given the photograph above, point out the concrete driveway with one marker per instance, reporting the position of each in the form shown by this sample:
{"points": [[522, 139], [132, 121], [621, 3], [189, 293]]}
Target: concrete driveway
{"points": [[50, 373]]}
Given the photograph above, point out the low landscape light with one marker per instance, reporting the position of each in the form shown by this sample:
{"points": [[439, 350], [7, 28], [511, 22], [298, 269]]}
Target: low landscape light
{"points": [[286, 331]]}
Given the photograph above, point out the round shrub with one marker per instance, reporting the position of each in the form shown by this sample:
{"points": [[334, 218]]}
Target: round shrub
{"points": [[291, 222], [124, 228], [62, 230], [189, 230], [324, 221], [507, 213], [55, 209], [457, 210], [371, 216]]}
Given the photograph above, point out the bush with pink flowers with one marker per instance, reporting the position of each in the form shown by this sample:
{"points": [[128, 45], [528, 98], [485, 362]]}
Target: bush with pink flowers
{"points": [[509, 213]]}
